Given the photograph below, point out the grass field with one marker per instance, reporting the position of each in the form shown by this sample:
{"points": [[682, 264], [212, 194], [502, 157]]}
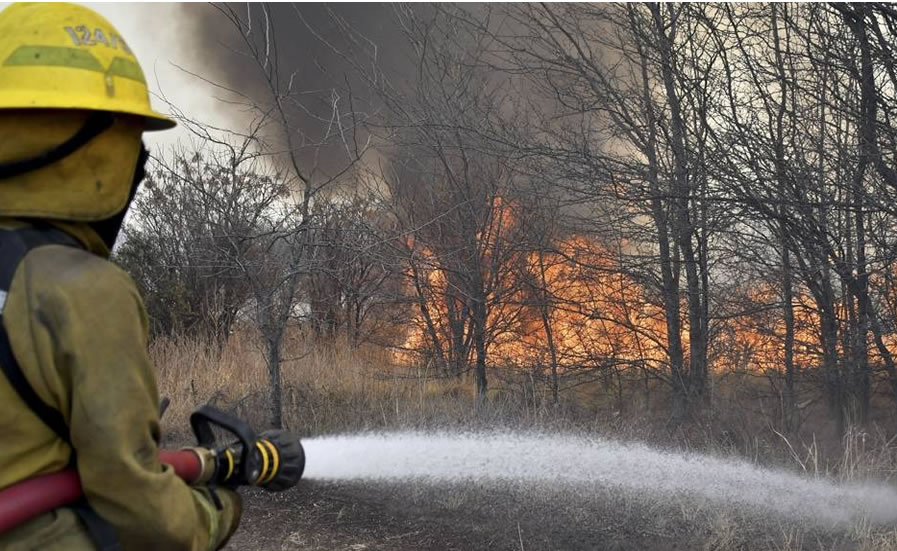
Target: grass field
{"points": [[333, 389]]}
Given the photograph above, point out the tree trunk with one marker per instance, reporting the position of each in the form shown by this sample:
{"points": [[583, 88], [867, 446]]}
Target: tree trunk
{"points": [[545, 312], [789, 403], [428, 319], [868, 148], [831, 376], [479, 339], [456, 321], [697, 371], [789, 407], [669, 281], [274, 379]]}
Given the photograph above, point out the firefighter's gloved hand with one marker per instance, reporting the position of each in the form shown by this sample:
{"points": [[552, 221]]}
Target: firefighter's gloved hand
{"points": [[228, 515]]}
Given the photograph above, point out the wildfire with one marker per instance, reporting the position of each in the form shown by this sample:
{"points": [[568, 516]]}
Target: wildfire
{"points": [[595, 314], [572, 306]]}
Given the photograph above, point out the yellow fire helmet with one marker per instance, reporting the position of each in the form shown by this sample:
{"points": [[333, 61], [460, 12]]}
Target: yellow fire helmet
{"points": [[73, 106]]}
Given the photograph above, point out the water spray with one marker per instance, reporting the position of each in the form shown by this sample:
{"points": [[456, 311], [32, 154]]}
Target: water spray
{"points": [[584, 465]]}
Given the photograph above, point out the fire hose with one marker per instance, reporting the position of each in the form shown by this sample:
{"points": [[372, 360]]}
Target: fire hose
{"points": [[273, 460]]}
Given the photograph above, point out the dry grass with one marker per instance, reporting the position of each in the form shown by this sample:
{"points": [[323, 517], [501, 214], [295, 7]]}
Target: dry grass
{"points": [[330, 388], [333, 388]]}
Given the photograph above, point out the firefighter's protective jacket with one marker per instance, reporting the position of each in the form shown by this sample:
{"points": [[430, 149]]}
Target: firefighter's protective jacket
{"points": [[78, 328]]}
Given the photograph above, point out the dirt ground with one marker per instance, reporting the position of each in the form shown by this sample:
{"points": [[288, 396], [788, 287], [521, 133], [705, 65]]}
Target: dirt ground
{"points": [[318, 516]]}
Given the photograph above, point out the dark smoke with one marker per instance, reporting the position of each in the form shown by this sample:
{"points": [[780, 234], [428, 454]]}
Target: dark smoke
{"points": [[300, 33]]}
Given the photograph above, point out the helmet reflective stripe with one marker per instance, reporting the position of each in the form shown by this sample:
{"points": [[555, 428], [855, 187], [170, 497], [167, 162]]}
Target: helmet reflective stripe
{"points": [[61, 56]]}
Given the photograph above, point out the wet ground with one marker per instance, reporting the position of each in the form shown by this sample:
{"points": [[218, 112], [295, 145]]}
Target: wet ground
{"points": [[404, 517], [318, 516]]}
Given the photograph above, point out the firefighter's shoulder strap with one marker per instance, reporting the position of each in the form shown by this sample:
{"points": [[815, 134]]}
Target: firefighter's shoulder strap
{"points": [[14, 245]]}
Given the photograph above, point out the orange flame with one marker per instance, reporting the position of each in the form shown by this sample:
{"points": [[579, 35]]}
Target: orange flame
{"points": [[599, 316]]}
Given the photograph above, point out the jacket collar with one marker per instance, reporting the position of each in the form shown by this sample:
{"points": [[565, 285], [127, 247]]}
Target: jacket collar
{"points": [[81, 231]]}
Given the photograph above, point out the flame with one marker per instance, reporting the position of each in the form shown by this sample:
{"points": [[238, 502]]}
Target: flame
{"points": [[596, 314], [755, 339]]}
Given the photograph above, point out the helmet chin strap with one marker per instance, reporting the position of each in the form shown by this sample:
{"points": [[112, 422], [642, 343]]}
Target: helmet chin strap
{"points": [[96, 124], [109, 228]]}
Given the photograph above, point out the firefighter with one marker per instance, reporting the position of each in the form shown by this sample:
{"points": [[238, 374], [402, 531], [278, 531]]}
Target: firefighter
{"points": [[77, 388]]}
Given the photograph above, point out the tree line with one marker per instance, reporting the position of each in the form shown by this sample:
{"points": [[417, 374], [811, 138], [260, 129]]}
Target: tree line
{"points": [[649, 194]]}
